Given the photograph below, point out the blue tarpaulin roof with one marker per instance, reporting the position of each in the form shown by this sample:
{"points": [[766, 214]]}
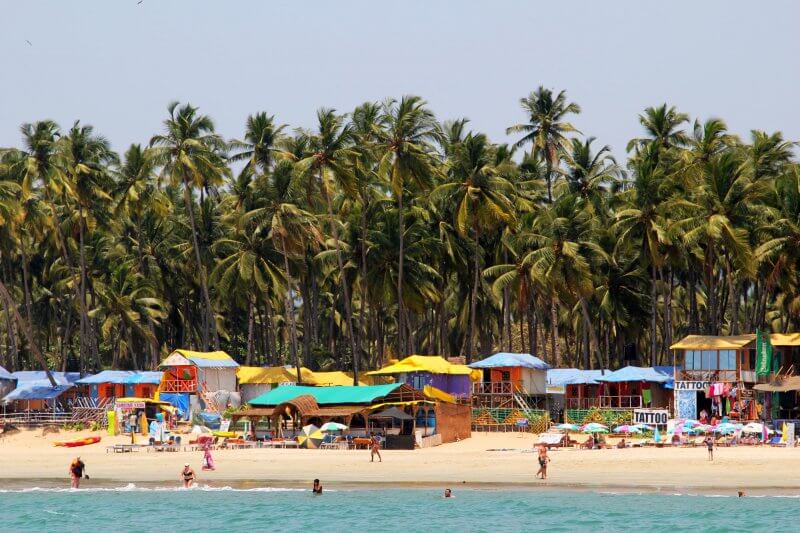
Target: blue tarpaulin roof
{"points": [[62, 378], [635, 373], [122, 377], [573, 376], [5, 374], [35, 390], [504, 359]]}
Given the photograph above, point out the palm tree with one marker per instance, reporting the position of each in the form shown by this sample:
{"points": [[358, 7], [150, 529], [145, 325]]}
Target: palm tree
{"points": [[546, 128], [480, 200], [258, 149], [190, 154], [83, 159], [662, 125], [406, 161], [331, 152]]}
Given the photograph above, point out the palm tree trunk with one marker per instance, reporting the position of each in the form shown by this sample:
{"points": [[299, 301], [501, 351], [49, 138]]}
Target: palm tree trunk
{"points": [[474, 299], [211, 325], [668, 311], [82, 295], [289, 305], [345, 289], [363, 297], [554, 331], [37, 354], [401, 347], [250, 327], [588, 325], [653, 315], [153, 342]]}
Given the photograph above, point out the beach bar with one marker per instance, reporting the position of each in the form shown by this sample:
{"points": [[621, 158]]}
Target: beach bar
{"points": [[420, 371]]}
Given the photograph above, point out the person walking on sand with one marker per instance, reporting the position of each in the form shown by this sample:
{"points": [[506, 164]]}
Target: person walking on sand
{"points": [[208, 461], [710, 445], [76, 469], [543, 460], [374, 449], [188, 476]]}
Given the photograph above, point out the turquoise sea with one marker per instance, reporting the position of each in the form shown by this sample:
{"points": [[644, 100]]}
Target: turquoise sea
{"points": [[284, 509]]}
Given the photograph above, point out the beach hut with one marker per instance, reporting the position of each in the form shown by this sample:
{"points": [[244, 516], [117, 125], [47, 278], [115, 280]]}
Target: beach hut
{"points": [[35, 398], [352, 406], [634, 387], [421, 370], [573, 388], [255, 381], [109, 384], [189, 375], [7, 382], [526, 373]]}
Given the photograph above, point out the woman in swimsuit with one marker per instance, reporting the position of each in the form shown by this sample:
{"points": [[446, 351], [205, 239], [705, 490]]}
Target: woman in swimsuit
{"points": [[76, 469], [374, 448], [188, 476], [543, 459], [317, 488]]}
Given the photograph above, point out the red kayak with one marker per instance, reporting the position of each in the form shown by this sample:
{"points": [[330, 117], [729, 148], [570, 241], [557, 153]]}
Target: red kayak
{"points": [[82, 442]]}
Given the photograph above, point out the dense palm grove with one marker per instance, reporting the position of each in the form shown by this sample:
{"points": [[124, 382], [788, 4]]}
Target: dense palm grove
{"points": [[383, 232]]}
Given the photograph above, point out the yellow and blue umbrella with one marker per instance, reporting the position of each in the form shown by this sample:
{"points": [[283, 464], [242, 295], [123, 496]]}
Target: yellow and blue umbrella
{"points": [[310, 437]]}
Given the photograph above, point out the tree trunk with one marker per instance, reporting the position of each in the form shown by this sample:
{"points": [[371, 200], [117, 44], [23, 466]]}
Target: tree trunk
{"points": [[474, 299], [363, 297], [653, 316], [250, 328], [588, 324], [345, 289], [668, 310], [554, 331], [401, 347], [211, 325], [289, 305], [37, 354], [82, 294]]}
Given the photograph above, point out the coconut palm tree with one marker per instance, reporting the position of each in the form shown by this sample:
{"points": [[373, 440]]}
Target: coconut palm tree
{"points": [[190, 154], [407, 162], [546, 128]]}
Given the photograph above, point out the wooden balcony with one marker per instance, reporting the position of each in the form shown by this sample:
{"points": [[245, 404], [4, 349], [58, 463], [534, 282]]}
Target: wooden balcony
{"points": [[708, 375], [493, 387], [179, 385], [605, 402]]}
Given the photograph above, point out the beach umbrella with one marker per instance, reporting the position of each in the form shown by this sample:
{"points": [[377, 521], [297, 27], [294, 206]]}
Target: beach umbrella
{"points": [[332, 426], [755, 427], [627, 429], [725, 429], [594, 427], [643, 427], [567, 427], [310, 437]]}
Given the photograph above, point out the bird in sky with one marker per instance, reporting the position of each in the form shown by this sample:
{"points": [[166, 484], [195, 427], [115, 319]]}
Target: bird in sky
{"points": [[139, 2], [29, 43]]}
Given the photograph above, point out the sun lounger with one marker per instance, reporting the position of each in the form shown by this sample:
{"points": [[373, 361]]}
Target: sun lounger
{"points": [[552, 440]]}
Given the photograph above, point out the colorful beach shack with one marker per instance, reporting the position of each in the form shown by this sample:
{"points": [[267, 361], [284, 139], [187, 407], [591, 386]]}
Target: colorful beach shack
{"points": [[289, 408], [420, 371], [505, 375], [255, 381], [108, 385], [635, 387], [7, 382], [36, 400], [191, 376]]}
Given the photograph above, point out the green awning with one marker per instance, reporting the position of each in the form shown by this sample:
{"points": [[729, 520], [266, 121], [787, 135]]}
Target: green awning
{"points": [[325, 395]]}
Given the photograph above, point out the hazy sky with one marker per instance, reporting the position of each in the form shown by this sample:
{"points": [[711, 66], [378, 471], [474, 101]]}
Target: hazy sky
{"points": [[116, 64]]}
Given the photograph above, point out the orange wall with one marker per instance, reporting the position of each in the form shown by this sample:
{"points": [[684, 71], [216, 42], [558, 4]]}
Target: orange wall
{"points": [[515, 374]]}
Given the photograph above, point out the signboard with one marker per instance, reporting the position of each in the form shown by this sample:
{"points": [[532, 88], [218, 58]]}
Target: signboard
{"points": [[747, 394], [763, 354], [790, 435], [685, 403], [225, 425], [692, 385], [556, 389], [651, 417], [126, 406]]}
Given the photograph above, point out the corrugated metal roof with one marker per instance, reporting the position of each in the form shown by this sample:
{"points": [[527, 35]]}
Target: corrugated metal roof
{"points": [[573, 376], [635, 373], [218, 359], [505, 360], [35, 390], [712, 342], [122, 377], [5, 374], [61, 378], [325, 395], [435, 364]]}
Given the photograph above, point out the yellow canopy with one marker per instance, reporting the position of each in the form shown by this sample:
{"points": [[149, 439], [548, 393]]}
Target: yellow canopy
{"points": [[785, 339], [711, 342], [432, 392], [214, 356], [249, 375], [327, 379], [434, 364]]}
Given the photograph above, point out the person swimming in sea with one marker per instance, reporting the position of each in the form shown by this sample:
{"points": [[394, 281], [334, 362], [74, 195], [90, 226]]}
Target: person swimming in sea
{"points": [[188, 476], [448, 493], [76, 470], [317, 488]]}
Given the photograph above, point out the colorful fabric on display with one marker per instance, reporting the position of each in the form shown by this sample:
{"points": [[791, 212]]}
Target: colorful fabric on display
{"points": [[647, 396]]}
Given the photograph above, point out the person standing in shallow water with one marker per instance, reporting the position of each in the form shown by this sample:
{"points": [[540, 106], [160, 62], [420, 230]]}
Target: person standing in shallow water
{"points": [[710, 445], [374, 449], [76, 469], [317, 488]]}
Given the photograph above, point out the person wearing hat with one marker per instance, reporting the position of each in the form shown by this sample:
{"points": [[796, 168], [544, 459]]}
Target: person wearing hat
{"points": [[187, 474]]}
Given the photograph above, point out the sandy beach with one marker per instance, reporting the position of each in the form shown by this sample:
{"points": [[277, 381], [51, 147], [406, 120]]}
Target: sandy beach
{"points": [[30, 459]]}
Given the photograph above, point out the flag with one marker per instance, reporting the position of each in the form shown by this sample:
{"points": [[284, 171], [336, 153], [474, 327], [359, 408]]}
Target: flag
{"points": [[763, 354]]}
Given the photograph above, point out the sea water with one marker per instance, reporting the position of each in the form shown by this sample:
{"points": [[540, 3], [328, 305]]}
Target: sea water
{"points": [[131, 508]]}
